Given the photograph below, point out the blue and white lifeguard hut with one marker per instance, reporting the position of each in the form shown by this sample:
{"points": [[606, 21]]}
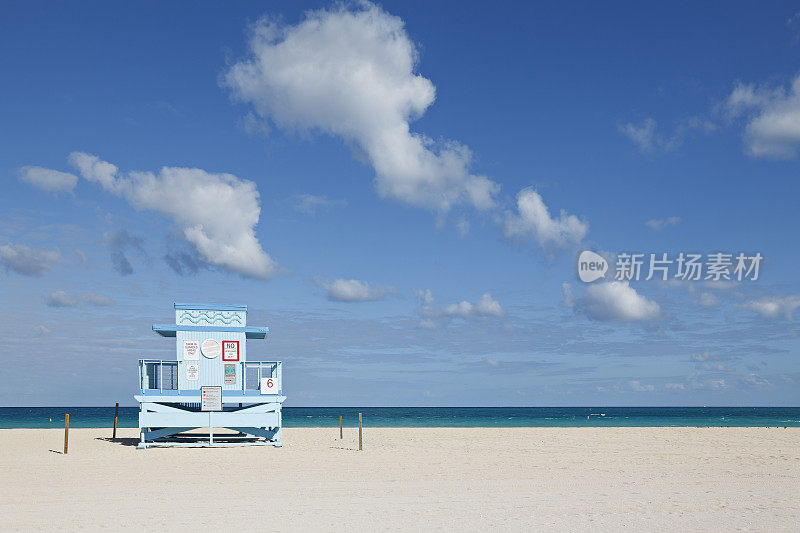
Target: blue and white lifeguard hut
{"points": [[210, 384]]}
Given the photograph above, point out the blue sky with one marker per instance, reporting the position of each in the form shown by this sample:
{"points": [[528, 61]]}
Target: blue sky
{"points": [[400, 192]]}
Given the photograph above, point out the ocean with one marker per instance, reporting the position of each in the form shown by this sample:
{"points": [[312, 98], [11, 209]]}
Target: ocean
{"points": [[99, 417]]}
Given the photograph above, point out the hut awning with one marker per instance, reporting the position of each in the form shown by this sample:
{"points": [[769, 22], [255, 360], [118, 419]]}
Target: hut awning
{"points": [[170, 330]]}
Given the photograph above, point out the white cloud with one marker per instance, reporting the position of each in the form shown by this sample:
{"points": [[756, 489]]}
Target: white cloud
{"points": [[309, 204], [643, 136], [486, 306], [532, 219], [47, 179], [661, 223], [706, 299], [775, 306], [617, 301], [427, 324], [755, 381], [649, 141], [216, 213], [62, 298], [27, 261], [353, 290], [639, 387], [772, 115], [350, 71], [425, 296], [675, 386]]}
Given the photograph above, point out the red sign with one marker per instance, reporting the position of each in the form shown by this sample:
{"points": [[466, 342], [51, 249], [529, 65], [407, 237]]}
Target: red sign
{"points": [[230, 350]]}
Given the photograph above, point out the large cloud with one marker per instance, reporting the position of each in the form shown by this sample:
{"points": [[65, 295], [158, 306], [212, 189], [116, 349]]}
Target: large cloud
{"points": [[532, 219], [616, 301], [773, 118], [27, 261], [351, 72], [216, 213]]}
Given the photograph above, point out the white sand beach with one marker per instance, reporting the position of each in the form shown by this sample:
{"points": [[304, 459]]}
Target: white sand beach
{"points": [[510, 479]]}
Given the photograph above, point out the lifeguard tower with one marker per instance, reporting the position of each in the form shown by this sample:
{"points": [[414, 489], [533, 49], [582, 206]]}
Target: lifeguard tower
{"points": [[210, 384]]}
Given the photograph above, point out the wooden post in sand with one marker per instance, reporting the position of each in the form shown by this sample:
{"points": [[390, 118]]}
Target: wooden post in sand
{"points": [[340, 428], [359, 433], [116, 414], [66, 433]]}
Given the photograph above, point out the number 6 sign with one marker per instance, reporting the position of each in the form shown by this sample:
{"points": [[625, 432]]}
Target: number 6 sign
{"points": [[269, 386]]}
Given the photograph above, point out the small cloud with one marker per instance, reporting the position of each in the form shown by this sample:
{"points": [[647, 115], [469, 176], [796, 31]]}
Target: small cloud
{"points": [[462, 226], [60, 299], [120, 263], [81, 256], [675, 386], [47, 179], [642, 135], [772, 116], [254, 126], [492, 362], [755, 381], [717, 384], [184, 263], [617, 301], [486, 306], [649, 141], [427, 324], [27, 261], [532, 220], [41, 330], [661, 223], [706, 299], [310, 204], [637, 386], [775, 306], [708, 356], [425, 296], [120, 241], [353, 290]]}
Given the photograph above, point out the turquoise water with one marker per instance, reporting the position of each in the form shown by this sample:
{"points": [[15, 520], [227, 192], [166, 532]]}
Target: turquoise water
{"points": [[53, 417]]}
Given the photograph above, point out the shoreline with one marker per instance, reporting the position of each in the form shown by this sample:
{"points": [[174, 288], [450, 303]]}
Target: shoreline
{"points": [[518, 478]]}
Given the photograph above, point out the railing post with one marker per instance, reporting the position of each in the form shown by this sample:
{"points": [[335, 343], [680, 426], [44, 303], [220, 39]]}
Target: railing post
{"points": [[161, 376]]}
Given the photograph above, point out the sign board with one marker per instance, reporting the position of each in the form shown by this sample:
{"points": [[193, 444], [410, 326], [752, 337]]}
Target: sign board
{"points": [[230, 374], [211, 398], [269, 386], [192, 371], [230, 350], [210, 348], [191, 350]]}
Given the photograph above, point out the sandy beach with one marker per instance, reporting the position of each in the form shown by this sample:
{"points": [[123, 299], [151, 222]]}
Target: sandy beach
{"points": [[511, 479]]}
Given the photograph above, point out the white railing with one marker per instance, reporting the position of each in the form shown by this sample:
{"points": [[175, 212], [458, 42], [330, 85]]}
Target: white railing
{"points": [[156, 374]]}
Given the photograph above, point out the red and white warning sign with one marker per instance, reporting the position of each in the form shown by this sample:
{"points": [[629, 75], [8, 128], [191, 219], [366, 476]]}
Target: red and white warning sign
{"points": [[230, 350]]}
